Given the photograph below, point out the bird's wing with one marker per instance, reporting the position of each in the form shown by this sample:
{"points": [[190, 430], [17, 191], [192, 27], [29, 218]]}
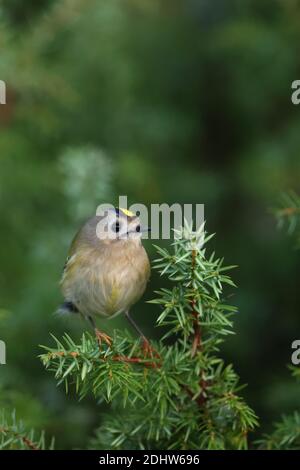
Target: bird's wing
{"points": [[85, 237], [72, 253]]}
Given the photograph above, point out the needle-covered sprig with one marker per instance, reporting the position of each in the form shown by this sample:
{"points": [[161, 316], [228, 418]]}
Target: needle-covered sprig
{"points": [[197, 295], [15, 436], [288, 212], [179, 395]]}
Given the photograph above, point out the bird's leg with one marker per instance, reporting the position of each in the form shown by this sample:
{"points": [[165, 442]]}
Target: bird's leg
{"points": [[147, 348], [136, 327], [99, 334]]}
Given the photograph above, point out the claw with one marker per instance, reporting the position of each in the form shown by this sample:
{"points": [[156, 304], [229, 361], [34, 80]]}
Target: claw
{"points": [[148, 350], [102, 336]]}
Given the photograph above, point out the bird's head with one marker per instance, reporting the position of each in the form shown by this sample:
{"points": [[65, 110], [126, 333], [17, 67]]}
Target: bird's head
{"points": [[120, 225]]}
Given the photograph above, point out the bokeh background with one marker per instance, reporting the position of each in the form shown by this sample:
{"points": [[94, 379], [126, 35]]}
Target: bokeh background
{"points": [[165, 101]]}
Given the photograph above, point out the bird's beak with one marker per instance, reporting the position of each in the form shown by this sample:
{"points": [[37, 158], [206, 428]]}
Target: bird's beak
{"points": [[141, 230]]}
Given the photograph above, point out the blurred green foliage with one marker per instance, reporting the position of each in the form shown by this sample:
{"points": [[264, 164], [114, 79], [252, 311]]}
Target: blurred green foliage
{"points": [[164, 101]]}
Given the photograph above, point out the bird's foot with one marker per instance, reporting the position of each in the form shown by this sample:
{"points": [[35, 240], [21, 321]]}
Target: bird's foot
{"points": [[100, 336], [148, 350]]}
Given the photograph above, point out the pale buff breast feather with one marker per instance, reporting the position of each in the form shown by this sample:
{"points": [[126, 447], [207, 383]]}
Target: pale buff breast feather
{"points": [[104, 278]]}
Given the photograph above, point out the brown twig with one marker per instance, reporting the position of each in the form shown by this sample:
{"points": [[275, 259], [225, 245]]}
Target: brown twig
{"points": [[288, 211], [136, 360], [199, 400], [197, 344], [30, 444], [197, 330], [120, 358]]}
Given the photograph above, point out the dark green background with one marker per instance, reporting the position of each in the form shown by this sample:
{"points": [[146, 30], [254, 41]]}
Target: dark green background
{"points": [[164, 101]]}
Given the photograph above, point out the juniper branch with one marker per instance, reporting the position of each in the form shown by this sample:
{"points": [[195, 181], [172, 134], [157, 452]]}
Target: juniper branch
{"points": [[185, 397], [14, 435]]}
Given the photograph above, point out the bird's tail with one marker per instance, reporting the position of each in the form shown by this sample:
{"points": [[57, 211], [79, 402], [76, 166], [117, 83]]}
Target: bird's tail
{"points": [[67, 308]]}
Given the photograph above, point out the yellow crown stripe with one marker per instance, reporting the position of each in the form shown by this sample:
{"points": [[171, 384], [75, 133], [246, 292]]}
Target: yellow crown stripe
{"points": [[126, 212]]}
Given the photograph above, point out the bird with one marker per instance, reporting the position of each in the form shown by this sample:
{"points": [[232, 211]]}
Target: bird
{"points": [[107, 270]]}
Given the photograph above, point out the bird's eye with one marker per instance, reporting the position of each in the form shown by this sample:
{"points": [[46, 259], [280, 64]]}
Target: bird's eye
{"points": [[138, 228], [116, 227]]}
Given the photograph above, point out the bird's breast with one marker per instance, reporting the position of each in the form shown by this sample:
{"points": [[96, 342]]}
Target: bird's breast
{"points": [[112, 281]]}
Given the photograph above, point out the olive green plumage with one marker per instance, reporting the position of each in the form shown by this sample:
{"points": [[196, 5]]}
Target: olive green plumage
{"points": [[107, 269]]}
